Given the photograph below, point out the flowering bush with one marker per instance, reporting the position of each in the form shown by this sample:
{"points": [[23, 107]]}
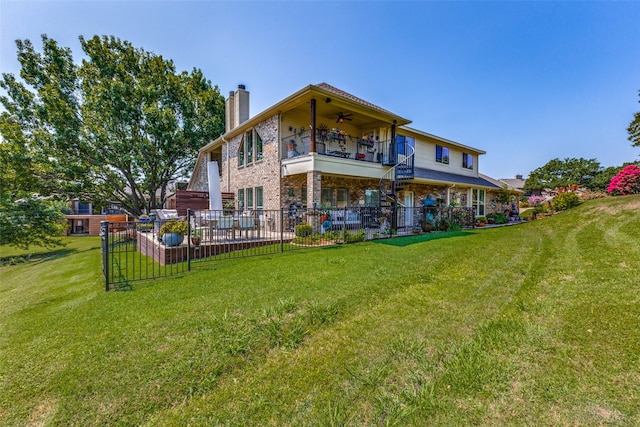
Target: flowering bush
{"points": [[535, 200], [627, 181]]}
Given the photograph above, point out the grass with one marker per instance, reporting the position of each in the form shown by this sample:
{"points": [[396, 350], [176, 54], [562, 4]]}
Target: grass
{"points": [[537, 324]]}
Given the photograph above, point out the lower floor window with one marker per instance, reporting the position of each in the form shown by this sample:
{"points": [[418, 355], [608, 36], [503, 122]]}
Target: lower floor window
{"points": [[250, 197], [326, 197], [477, 200], [303, 195], [371, 197], [342, 199]]}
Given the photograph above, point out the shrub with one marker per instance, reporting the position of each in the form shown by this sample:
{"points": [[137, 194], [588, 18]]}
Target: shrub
{"points": [[564, 201], [627, 181], [358, 236], [303, 230], [311, 239], [500, 218], [535, 200], [174, 226]]}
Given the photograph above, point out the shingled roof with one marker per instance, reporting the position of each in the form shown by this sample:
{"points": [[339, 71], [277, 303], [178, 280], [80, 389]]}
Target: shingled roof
{"points": [[452, 177]]}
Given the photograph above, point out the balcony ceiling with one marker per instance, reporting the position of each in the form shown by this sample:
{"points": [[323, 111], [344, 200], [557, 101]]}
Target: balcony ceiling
{"points": [[328, 114]]}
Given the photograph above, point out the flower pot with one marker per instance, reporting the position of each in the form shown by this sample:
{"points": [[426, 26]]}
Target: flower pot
{"points": [[196, 241], [427, 227], [171, 239]]}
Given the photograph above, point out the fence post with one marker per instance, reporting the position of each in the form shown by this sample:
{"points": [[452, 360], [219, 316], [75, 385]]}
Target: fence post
{"points": [[188, 239], [104, 234], [281, 229], [394, 217]]}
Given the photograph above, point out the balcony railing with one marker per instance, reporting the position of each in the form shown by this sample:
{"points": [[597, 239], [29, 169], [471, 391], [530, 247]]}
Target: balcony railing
{"points": [[337, 144]]}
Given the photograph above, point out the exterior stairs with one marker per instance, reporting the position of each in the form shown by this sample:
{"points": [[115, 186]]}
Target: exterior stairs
{"points": [[397, 178]]}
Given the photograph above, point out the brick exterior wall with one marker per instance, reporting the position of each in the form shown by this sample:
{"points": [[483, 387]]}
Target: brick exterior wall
{"points": [[264, 173]]}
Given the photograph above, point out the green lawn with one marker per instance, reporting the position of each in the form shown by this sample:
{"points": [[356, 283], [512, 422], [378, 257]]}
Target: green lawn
{"points": [[535, 324]]}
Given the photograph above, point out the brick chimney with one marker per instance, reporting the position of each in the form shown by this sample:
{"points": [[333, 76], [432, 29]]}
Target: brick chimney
{"points": [[236, 108], [518, 176]]}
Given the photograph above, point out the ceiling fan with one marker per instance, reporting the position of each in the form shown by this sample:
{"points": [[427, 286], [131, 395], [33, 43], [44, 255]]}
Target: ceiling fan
{"points": [[342, 117]]}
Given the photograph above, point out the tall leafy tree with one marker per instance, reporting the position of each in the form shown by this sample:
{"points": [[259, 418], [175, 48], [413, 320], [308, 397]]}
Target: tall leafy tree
{"points": [[39, 122], [563, 173], [31, 220], [634, 129], [118, 126]]}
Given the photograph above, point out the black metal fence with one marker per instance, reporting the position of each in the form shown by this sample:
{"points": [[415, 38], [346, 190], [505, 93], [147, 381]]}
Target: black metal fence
{"points": [[135, 251]]}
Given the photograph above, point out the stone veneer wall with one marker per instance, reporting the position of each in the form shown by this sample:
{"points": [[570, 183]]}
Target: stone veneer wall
{"points": [[356, 188], [200, 176]]}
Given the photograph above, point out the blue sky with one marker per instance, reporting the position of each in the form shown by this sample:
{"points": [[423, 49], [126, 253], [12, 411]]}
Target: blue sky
{"points": [[525, 81]]}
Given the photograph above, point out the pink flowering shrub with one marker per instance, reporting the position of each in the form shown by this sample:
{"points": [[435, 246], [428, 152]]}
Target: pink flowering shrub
{"points": [[535, 200], [627, 181]]}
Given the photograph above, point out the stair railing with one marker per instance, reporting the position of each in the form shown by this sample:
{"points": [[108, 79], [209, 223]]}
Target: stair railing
{"points": [[391, 176]]}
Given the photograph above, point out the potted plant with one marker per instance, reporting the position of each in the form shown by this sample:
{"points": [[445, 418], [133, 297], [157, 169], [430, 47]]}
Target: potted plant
{"points": [[173, 232], [229, 206], [426, 226], [481, 221]]}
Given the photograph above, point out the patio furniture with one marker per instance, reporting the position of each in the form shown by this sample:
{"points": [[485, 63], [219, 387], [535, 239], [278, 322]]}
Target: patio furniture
{"points": [[246, 223], [352, 220], [225, 223]]}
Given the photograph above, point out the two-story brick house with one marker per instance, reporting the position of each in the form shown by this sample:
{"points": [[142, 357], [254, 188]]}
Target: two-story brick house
{"points": [[322, 147]]}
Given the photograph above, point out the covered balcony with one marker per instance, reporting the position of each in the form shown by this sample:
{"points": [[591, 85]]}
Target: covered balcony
{"points": [[336, 143], [324, 120]]}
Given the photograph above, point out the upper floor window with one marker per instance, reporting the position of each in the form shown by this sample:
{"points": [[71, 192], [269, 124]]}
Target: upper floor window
{"points": [[249, 138], [258, 146], [241, 152], [250, 149], [442, 154], [467, 161]]}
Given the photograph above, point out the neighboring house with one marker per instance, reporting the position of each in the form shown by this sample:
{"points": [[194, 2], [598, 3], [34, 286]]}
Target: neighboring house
{"points": [[515, 192], [515, 183], [323, 147], [82, 219]]}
